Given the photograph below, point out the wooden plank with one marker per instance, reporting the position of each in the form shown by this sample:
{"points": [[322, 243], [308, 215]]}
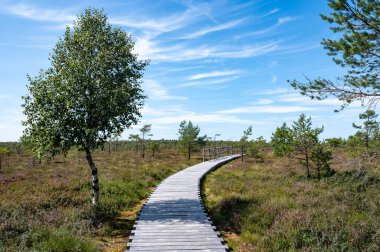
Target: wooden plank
{"points": [[174, 250], [177, 247], [174, 218]]}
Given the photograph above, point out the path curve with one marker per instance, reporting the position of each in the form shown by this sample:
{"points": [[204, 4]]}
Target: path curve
{"points": [[174, 218]]}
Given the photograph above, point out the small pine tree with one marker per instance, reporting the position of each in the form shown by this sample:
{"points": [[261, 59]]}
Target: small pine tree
{"points": [[188, 137], [321, 158], [144, 133], [282, 140], [154, 146], [369, 128], [304, 140]]}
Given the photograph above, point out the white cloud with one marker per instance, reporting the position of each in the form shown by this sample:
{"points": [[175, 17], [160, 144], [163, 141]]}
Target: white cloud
{"points": [[39, 14], [162, 25], [209, 82], [213, 29], [248, 51], [266, 109], [156, 91], [34, 46], [280, 21], [200, 118], [149, 49], [162, 111], [301, 99], [299, 48], [272, 91], [274, 78], [214, 74], [264, 101], [283, 20], [175, 114]]}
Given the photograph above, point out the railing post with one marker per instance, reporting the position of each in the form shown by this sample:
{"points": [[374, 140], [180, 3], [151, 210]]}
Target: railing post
{"points": [[242, 153], [203, 154]]}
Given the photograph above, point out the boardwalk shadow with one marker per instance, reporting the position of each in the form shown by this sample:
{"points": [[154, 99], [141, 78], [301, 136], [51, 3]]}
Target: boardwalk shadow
{"points": [[186, 211]]}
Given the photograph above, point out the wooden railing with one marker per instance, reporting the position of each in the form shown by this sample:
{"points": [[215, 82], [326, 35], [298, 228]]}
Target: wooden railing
{"points": [[222, 151]]}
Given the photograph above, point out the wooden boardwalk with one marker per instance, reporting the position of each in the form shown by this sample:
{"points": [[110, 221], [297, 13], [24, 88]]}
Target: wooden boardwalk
{"points": [[174, 219]]}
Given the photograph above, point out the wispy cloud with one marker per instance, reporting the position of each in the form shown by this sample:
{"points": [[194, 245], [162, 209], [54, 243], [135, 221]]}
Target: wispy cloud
{"points": [[210, 118], [208, 83], [175, 114], [274, 78], [280, 21], [164, 24], [40, 14], [156, 91], [147, 48], [214, 74], [248, 51], [35, 46], [297, 98], [266, 109], [272, 91], [264, 101], [213, 29], [297, 48]]}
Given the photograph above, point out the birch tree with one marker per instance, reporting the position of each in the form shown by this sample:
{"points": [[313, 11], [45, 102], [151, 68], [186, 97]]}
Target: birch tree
{"points": [[90, 93]]}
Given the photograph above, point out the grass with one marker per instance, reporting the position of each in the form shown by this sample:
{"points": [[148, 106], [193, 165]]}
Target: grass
{"points": [[267, 206], [47, 206], [271, 206]]}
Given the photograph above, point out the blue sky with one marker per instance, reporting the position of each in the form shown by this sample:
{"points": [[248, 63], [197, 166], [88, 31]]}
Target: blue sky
{"points": [[222, 64]]}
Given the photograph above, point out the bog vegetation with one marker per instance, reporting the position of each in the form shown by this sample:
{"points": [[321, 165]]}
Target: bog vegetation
{"points": [[276, 199], [294, 192]]}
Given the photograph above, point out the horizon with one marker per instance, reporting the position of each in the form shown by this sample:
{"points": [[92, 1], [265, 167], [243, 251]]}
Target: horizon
{"points": [[224, 66]]}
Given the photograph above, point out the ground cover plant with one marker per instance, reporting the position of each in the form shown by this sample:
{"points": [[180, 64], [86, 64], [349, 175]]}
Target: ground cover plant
{"points": [[272, 206], [46, 206]]}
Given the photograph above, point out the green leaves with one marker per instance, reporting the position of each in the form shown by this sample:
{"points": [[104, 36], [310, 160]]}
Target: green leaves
{"points": [[281, 140], [90, 92], [246, 134], [188, 136], [357, 48], [300, 142], [369, 131]]}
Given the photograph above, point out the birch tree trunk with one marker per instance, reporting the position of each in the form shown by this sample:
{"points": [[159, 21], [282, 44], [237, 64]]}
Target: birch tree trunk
{"points": [[95, 179]]}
